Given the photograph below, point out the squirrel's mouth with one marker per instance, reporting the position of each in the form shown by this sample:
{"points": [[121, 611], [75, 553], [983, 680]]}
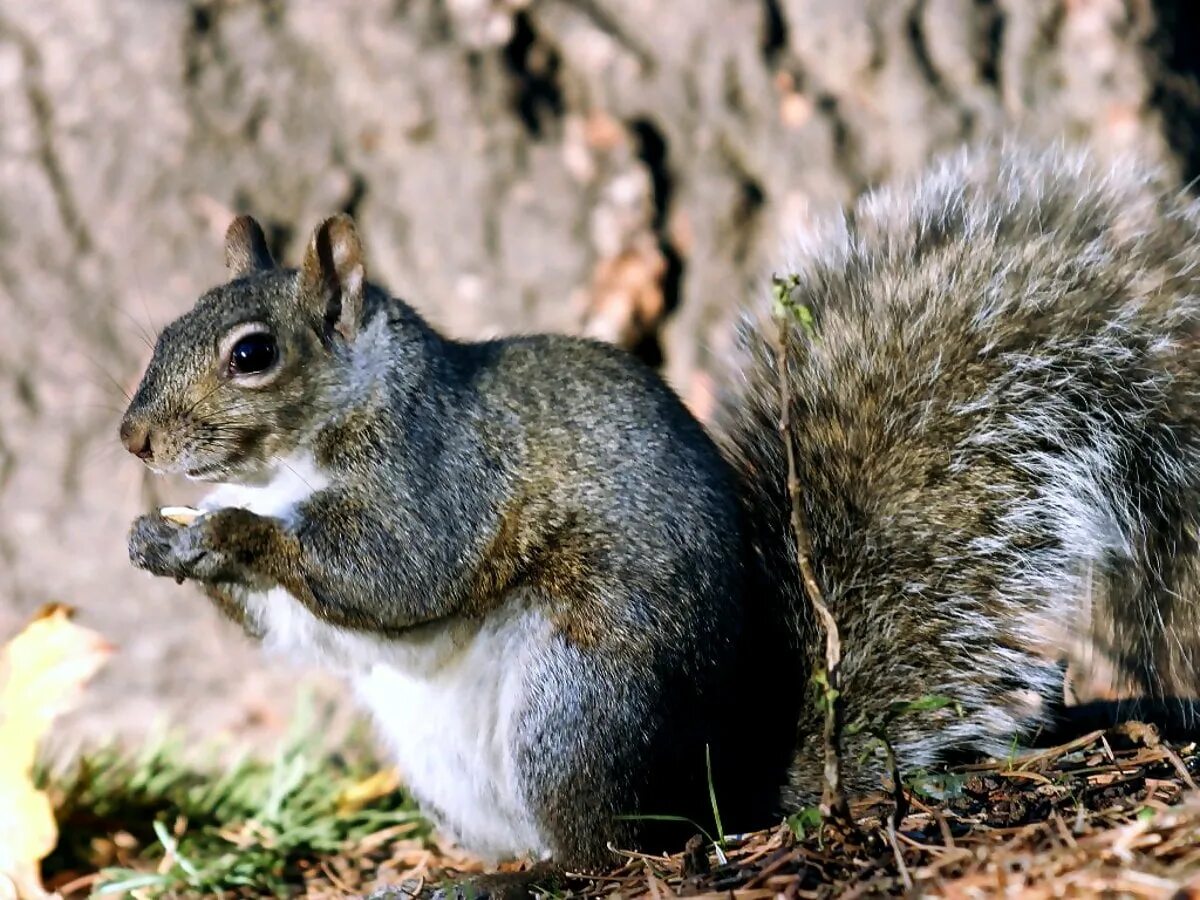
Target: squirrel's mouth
{"points": [[226, 469], [203, 473]]}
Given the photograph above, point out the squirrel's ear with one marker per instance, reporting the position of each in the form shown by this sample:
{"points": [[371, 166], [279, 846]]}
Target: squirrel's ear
{"points": [[332, 275], [246, 248]]}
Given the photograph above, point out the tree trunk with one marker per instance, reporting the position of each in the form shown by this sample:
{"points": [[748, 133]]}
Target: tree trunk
{"points": [[627, 169]]}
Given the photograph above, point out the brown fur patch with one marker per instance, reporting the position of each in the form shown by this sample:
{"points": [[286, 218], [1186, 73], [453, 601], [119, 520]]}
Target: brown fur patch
{"points": [[262, 546], [355, 428], [503, 563], [545, 551]]}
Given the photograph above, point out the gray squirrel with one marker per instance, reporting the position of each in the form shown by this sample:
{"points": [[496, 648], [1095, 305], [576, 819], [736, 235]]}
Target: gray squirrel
{"points": [[572, 611]]}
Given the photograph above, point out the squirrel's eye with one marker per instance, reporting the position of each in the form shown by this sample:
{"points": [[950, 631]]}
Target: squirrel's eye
{"points": [[252, 354]]}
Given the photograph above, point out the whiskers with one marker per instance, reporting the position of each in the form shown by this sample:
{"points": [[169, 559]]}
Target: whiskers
{"points": [[222, 443], [142, 334], [202, 398], [112, 380], [287, 465]]}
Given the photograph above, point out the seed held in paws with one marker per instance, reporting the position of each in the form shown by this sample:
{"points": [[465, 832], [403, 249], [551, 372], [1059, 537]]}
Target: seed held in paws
{"points": [[181, 515]]}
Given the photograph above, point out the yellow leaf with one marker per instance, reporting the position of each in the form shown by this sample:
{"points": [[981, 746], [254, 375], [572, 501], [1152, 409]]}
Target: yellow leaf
{"points": [[359, 795], [42, 672]]}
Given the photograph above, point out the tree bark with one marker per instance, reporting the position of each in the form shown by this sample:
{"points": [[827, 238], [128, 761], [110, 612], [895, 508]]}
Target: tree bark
{"points": [[627, 169]]}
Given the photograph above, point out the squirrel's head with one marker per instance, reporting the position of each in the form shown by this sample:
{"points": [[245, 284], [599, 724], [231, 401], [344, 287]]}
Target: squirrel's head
{"points": [[237, 383]]}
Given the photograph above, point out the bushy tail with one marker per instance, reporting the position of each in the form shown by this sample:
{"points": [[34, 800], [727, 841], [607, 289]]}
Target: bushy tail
{"points": [[991, 375]]}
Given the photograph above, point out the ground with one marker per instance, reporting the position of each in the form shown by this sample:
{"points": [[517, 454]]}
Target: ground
{"points": [[620, 168], [1111, 813]]}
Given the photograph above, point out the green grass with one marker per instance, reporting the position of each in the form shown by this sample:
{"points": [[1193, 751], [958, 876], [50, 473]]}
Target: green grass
{"points": [[197, 830]]}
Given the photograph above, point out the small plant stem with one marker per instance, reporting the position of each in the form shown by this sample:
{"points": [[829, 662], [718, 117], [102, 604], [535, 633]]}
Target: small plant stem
{"points": [[833, 800]]}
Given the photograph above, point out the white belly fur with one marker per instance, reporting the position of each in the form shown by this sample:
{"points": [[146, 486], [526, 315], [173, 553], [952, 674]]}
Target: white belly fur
{"points": [[451, 730], [445, 697]]}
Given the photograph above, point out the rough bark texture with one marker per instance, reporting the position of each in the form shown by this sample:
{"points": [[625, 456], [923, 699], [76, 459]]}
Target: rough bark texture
{"points": [[623, 168]]}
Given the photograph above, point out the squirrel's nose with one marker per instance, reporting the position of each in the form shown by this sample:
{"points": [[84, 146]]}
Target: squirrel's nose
{"points": [[136, 438]]}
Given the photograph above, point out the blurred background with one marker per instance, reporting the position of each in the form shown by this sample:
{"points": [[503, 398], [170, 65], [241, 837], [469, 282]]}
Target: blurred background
{"points": [[619, 168]]}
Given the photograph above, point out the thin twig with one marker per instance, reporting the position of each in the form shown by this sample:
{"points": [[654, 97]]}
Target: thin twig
{"points": [[1184, 774], [899, 797], [833, 801], [899, 854]]}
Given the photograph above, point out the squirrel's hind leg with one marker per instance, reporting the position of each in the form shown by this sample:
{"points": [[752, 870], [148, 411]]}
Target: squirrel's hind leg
{"points": [[610, 757]]}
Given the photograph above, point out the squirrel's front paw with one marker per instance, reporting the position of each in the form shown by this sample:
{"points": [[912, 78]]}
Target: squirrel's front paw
{"points": [[213, 548], [152, 546]]}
